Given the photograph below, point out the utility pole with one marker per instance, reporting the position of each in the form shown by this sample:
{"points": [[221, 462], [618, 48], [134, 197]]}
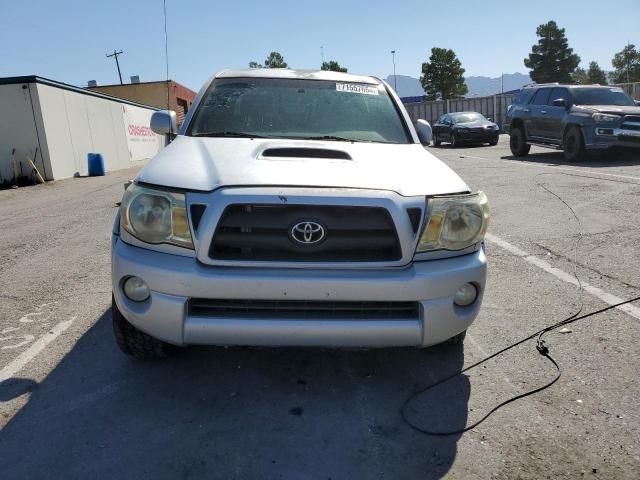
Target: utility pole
{"points": [[115, 55], [395, 80], [322, 53]]}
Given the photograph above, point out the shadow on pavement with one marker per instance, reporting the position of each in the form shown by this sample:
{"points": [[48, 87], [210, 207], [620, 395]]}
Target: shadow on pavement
{"points": [[235, 413], [613, 158], [14, 387]]}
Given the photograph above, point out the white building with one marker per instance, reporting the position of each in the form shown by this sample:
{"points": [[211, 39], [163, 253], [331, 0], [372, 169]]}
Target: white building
{"points": [[60, 124]]}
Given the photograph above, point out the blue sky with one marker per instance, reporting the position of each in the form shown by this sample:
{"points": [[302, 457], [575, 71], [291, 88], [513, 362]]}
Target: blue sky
{"points": [[66, 40]]}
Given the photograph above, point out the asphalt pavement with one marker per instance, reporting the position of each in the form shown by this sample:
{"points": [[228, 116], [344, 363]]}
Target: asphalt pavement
{"points": [[72, 406]]}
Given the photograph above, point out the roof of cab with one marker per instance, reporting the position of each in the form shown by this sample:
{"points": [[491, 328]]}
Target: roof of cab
{"points": [[297, 74]]}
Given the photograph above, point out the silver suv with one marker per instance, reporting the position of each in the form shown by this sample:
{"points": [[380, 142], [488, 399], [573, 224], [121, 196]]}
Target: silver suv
{"points": [[295, 208]]}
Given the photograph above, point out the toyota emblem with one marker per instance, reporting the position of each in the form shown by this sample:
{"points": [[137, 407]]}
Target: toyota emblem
{"points": [[308, 233]]}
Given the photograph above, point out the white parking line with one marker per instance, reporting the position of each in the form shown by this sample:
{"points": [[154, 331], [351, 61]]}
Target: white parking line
{"points": [[30, 353], [564, 276], [524, 163]]}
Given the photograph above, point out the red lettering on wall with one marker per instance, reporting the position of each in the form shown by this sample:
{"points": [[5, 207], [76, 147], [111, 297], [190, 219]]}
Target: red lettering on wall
{"points": [[140, 131]]}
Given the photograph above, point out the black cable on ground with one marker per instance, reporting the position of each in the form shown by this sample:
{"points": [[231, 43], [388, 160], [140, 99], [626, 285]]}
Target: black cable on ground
{"points": [[541, 347], [542, 350]]}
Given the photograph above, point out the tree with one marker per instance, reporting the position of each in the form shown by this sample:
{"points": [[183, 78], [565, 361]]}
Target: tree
{"points": [[579, 76], [627, 65], [596, 75], [443, 75], [588, 77], [551, 60], [333, 66], [274, 60]]}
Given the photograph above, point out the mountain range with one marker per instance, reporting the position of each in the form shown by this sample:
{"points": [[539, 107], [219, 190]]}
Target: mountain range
{"points": [[479, 86]]}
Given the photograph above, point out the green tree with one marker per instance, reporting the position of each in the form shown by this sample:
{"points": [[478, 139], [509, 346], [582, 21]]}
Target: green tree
{"points": [[627, 65], [579, 76], [443, 75], [596, 75], [551, 60], [333, 66], [274, 60]]}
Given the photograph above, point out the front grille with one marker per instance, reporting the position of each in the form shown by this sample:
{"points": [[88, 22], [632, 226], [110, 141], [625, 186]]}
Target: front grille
{"points": [[248, 232], [300, 309], [631, 122]]}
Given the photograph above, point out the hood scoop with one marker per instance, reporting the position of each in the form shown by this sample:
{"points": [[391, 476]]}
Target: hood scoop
{"points": [[301, 152]]}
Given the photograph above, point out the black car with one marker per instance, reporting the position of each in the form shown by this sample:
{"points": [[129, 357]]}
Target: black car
{"points": [[465, 127], [577, 119]]}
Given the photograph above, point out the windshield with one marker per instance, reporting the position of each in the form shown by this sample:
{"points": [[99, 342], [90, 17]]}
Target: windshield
{"points": [[601, 96], [293, 108], [468, 118]]}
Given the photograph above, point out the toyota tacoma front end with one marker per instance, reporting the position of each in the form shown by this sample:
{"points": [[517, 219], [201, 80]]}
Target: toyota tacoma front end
{"points": [[296, 208]]}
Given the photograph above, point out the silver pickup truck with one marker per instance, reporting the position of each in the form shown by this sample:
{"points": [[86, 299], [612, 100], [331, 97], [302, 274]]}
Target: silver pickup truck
{"points": [[295, 208]]}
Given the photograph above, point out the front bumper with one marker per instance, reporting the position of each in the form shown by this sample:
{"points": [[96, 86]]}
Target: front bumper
{"points": [[480, 137], [174, 279], [602, 137]]}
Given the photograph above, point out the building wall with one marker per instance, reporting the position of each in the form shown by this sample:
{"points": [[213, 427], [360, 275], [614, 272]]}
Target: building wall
{"points": [[19, 129], [76, 124], [154, 94]]}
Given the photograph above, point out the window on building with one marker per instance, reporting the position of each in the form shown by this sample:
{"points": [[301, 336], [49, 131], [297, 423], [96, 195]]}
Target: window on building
{"points": [[183, 105]]}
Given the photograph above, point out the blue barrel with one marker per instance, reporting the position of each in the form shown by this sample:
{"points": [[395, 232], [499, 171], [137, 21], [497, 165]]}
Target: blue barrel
{"points": [[96, 164]]}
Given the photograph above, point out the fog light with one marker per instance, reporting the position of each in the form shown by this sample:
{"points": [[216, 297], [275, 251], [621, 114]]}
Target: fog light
{"points": [[466, 295], [135, 289]]}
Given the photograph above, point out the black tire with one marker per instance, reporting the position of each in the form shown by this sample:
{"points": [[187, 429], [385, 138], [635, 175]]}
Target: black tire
{"points": [[493, 143], [454, 141], [518, 142], [573, 145], [458, 339], [436, 142], [135, 342]]}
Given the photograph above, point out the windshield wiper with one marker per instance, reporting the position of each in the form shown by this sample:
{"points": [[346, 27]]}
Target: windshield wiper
{"points": [[228, 134], [329, 137]]}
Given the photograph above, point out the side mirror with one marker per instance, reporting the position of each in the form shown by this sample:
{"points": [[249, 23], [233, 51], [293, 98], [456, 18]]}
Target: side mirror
{"points": [[560, 102], [425, 134], [490, 119], [164, 122]]}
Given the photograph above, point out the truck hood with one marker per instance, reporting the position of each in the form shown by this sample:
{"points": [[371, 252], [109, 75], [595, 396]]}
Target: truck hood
{"points": [[205, 164], [626, 110]]}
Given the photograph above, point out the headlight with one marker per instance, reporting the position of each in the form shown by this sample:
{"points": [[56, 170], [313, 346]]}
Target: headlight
{"points": [[155, 216], [455, 222], [605, 118]]}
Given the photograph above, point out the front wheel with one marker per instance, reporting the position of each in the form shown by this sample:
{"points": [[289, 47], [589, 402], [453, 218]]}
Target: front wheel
{"points": [[135, 342], [518, 143], [436, 141], [573, 145]]}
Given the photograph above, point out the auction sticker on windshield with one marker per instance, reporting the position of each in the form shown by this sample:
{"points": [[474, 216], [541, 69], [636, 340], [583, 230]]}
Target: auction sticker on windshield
{"points": [[357, 88]]}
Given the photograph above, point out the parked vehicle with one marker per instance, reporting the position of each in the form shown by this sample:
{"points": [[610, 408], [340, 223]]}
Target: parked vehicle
{"points": [[574, 118], [295, 208], [465, 127]]}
